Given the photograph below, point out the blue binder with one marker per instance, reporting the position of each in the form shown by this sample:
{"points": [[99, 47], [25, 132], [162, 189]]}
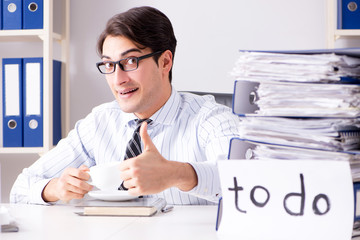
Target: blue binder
{"points": [[12, 14], [12, 102], [348, 12], [357, 201], [33, 14], [33, 102], [56, 101], [1, 13]]}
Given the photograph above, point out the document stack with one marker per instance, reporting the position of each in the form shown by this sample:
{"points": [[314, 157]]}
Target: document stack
{"points": [[299, 105]]}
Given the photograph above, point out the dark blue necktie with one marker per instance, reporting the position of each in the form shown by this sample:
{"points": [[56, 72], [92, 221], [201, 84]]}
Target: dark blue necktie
{"points": [[133, 147]]}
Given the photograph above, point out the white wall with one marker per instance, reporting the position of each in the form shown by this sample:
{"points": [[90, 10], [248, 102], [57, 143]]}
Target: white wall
{"points": [[209, 35]]}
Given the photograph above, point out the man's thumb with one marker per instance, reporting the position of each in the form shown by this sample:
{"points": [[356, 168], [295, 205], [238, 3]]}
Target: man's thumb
{"points": [[145, 138]]}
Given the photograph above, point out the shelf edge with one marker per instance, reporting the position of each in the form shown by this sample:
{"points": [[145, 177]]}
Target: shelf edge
{"points": [[21, 150]]}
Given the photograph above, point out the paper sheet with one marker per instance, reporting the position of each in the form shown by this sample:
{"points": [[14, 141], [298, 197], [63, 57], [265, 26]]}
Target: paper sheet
{"points": [[286, 200]]}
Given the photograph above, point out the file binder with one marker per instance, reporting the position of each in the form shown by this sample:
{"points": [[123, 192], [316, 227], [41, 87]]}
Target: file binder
{"points": [[348, 12], [12, 102], [12, 14], [356, 201], [56, 101], [353, 52], [245, 96], [33, 14], [241, 149], [33, 102], [1, 13]]}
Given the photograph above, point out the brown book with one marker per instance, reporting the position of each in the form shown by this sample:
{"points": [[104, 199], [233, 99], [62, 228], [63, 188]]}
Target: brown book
{"points": [[137, 207]]}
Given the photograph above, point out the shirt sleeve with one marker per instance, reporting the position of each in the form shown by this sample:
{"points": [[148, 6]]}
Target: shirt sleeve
{"points": [[216, 130], [73, 151]]}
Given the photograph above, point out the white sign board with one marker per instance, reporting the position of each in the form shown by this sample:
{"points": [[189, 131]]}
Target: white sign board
{"points": [[277, 199]]}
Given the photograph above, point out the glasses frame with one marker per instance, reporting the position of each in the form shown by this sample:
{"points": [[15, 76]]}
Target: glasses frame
{"points": [[122, 67]]}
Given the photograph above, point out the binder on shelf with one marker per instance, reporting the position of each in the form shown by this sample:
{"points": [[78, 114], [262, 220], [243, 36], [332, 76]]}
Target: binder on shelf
{"points": [[33, 102], [12, 102], [1, 13], [12, 14], [56, 101], [348, 14], [33, 14]]}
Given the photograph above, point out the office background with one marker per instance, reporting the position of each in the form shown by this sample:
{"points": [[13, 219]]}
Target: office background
{"points": [[209, 35]]}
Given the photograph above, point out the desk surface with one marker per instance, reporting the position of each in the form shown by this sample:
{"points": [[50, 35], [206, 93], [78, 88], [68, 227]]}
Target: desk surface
{"points": [[61, 222]]}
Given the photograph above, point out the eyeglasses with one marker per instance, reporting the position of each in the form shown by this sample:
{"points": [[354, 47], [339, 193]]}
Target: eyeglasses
{"points": [[126, 64]]}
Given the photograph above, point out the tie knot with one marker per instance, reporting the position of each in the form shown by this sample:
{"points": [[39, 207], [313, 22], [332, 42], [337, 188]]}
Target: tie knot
{"points": [[140, 121]]}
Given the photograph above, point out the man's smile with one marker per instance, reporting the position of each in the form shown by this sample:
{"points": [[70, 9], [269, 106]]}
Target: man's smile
{"points": [[127, 91]]}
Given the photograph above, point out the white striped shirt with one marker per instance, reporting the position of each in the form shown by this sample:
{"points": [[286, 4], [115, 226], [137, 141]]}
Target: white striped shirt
{"points": [[188, 128]]}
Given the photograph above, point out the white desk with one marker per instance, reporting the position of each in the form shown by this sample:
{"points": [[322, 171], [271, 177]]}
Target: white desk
{"points": [[60, 222]]}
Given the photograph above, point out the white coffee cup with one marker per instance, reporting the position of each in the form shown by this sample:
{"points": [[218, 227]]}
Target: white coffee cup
{"points": [[105, 177]]}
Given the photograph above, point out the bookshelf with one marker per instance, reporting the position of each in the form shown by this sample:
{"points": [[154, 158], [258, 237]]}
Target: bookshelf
{"points": [[47, 37], [333, 34]]}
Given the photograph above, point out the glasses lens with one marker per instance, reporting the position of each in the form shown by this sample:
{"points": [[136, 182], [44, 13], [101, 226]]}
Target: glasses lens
{"points": [[129, 64], [107, 67]]}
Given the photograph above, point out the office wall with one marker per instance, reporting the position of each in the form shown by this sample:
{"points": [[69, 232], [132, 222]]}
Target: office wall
{"points": [[209, 35]]}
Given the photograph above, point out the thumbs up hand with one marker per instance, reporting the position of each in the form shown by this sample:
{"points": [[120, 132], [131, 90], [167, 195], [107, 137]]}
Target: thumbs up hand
{"points": [[147, 173], [151, 173]]}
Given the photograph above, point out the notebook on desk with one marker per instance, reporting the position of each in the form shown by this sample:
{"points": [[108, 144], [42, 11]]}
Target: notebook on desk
{"points": [[138, 207]]}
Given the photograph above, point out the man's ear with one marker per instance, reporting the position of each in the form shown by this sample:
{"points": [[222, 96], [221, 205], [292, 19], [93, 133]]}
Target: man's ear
{"points": [[167, 61]]}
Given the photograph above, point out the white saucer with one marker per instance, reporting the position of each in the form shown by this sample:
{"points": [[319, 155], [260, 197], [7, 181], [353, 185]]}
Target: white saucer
{"points": [[115, 195]]}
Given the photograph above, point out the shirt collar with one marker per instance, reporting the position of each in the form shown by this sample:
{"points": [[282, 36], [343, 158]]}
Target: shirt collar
{"points": [[129, 118], [167, 114]]}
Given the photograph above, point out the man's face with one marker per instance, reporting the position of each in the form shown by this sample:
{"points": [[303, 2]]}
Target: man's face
{"points": [[144, 90]]}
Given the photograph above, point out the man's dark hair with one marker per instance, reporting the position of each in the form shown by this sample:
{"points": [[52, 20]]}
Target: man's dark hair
{"points": [[145, 26]]}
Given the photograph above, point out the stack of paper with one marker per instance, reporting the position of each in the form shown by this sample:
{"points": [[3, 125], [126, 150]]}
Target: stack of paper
{"points": [[300, 105], [272, 152], [299, 99], [270, 66], [319, 133]]}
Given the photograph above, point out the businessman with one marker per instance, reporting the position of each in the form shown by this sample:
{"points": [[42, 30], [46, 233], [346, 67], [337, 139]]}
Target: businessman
{"points": [[182, 134]]}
